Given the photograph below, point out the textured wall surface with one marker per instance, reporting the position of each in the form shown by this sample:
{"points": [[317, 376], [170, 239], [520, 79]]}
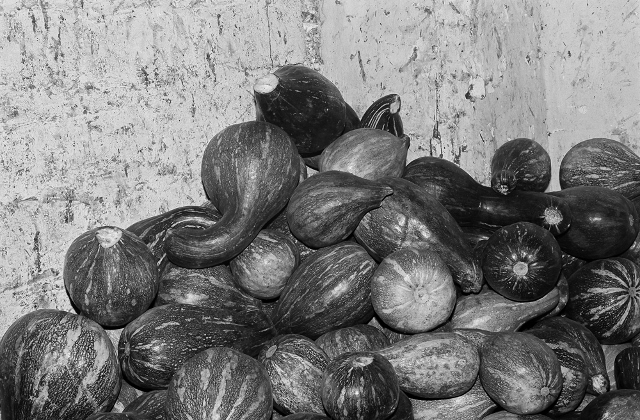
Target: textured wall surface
{"points": [[106, 105]]}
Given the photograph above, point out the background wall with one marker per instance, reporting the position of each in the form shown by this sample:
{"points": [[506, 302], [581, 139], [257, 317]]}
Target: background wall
{"points": [[106, 106]]}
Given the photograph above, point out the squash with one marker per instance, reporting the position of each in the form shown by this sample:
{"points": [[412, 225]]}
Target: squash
{"points": [[263, 268], [153, 346], [621, 404], [279, 223], [249, 170], [601, 162], [127, 392], [331, 289], [505, 415], [150, 404], [393, 335], [404, 409], [304, 103], [520, 372], [117, 416], [56, 365], [153, 230], [434, 364], [220, 382], [412, 290], [110, 275], [411, 216], [572, 367], [472, 405], [611, 351], [473, 204], [522, 261], [294, 364], [489, 310], [592, 351], [360, 386], [326, 208], [521, 164], [626, 368], [604, 223], [384, 114], [303, 416], [359, 337], [563, 297], [211, 286], [604, 295], [366, 152]]}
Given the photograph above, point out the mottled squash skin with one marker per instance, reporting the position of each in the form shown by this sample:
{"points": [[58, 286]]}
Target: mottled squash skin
{"points": [[472, 405], [359, 337], [56, 365]]}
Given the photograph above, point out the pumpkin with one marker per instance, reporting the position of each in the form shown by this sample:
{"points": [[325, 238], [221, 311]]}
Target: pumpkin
{"points": [[360, 386], [220, 382], [412, 290], [110, 275], [384, 114], [522, 164], [56, 365], [359, 337]]}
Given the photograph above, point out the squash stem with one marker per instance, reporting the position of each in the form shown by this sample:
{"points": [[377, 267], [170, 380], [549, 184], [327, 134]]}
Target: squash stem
{"points": [[108, 236]]}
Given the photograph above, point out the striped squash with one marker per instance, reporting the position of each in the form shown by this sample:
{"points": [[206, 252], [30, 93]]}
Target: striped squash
{"points": [[604, 295], [472, 405], [220, 383], [359, 337], [56, 365], [150, 404], [521, 164]]}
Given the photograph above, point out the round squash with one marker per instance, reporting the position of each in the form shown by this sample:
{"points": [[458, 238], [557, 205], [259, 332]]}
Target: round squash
{"points": [[111, 275], [359, 337], [56, 365], [521, 164], [520, 372], [604, 295], [360, 386], [220, 382], [412, 290]]}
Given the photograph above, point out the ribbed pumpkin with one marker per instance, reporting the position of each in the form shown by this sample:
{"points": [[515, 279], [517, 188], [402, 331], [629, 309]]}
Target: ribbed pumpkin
{"points": [[220, 382], [111, 275], [56, 365], [604, 295]]}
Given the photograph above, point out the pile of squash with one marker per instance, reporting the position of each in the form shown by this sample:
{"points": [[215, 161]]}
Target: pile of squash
{"points": [[327, 278]]}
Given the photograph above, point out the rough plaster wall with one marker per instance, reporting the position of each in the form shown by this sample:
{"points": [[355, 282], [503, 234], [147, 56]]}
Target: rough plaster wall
{"points": [[592, 73], [468, 72], [105, 108]]}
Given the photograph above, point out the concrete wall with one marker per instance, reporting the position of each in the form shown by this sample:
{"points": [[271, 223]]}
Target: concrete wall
{"points": [[106, 106]]}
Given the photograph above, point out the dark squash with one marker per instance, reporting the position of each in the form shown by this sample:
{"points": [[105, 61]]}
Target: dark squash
{"points": [[404, 409], [150, 404], [359, 337], [326, 208], [522, 261], [304, 103], [601, 162], [505, 415], [473, 204], [611, 351], [520, 372], [360, 386], [604, 223], [110, 275], [521, 164], [621, 404], [220, 382], [249, 171], [334, 283], [384, 114], [118, 416], [153, 346], [56, 365], [626, 368], [303, 416], [411, 216], [604, 295], [294, 364]]}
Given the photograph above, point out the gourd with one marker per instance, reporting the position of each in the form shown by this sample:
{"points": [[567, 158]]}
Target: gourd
{"points": [[249, 171], [411, 216], [384, 114], [360, 386], [621, 404], [627, 368], [412, 290], [522, 261], [521, 164], [56, 365], [223, 381], [601, 162], [359, 337], [604, 295], [295, 365], [473, 204], [110, 275], [150, 404]]}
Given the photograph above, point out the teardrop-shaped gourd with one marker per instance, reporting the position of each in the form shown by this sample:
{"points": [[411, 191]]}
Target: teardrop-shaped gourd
{"points": [[249, 171], [412, 290], [366, 152], [384, 114], [411, 216], [326, 208], [110, 275], [521, 164], [304, 103], [602, 162]]}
